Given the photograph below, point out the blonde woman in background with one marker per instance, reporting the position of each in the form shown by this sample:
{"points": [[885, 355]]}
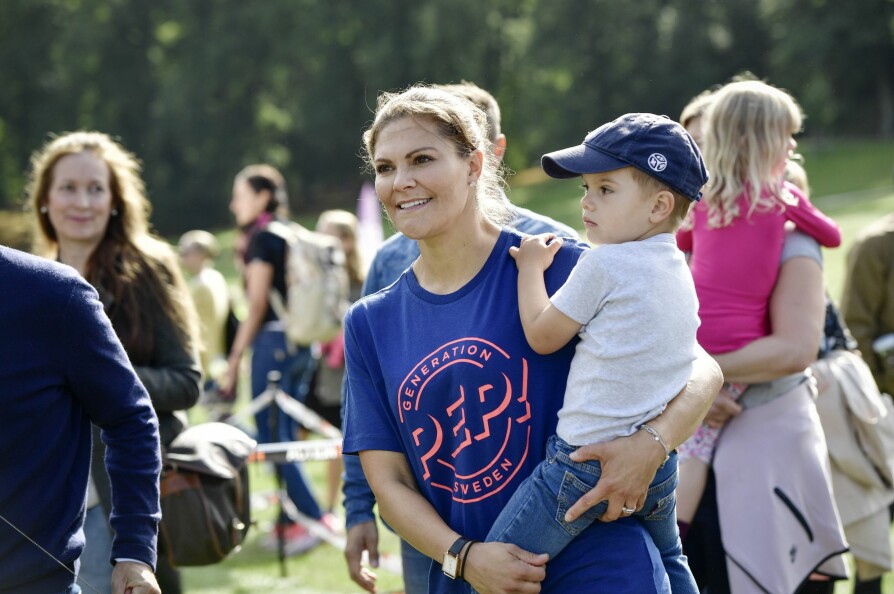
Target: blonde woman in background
{"points": [[326, 387], [91, 212], [770, 461]]}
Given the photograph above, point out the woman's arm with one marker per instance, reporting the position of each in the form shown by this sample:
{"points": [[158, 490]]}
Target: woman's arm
{"points": [[490, 568], [629, 463], [174, 380], [258, 284], [173, 374], [797, 313]]}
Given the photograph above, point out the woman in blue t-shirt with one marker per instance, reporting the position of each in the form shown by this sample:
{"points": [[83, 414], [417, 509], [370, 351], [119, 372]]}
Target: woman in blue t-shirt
{"points": [[447, 405]]}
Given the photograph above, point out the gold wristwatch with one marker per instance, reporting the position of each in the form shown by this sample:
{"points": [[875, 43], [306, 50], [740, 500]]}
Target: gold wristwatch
{"points": [[450, 565]]}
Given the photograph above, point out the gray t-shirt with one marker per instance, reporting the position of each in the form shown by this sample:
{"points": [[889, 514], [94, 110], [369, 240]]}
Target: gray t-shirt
{"points": [[797, 244], [639, 310]]}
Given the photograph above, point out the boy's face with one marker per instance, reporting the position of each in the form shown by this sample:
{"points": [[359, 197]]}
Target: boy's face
{"points": [[192, 260], [615, 208]]}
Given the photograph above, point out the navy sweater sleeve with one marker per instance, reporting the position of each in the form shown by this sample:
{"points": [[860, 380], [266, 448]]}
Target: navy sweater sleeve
{"points": [[61, 366], [97, 370]]}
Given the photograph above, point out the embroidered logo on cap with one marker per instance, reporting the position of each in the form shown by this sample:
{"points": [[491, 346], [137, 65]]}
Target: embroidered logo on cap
{"points": [[657, 162]]}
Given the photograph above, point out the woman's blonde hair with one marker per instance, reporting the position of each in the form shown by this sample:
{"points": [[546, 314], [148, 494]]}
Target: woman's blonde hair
{"points": [[746, 140], [345, 224], [130, 265], [696, 107], [459, 122]]}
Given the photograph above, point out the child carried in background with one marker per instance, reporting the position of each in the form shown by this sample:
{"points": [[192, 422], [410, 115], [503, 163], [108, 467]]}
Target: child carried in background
{"points": [[632, 301], [735, 237]]}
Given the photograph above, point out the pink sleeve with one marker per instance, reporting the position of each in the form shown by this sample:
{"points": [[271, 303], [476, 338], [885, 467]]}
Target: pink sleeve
{"points": [[812, 221], [684, 240]]}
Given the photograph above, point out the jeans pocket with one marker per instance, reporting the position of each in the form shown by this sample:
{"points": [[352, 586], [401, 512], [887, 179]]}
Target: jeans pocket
{"points": [[661, 500], [662, 508], [570, 491]]}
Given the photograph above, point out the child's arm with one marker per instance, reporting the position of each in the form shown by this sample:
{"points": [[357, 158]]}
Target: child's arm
{"points": [[546, 328], [812, 221]]}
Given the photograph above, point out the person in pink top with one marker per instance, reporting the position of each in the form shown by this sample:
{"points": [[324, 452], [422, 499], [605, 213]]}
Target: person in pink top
{"points": [[735, 236]]}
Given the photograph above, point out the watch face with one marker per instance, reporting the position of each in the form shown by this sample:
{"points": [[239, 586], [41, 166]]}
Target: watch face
{"points": [[449, 566]]}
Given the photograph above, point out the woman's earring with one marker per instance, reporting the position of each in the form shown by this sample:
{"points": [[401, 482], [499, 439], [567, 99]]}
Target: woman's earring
{"points": [[43, 210], [114, 212]]}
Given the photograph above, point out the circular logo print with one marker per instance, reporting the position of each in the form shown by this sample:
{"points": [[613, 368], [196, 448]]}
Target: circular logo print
{"points": [[466, 407], [657, 162]]}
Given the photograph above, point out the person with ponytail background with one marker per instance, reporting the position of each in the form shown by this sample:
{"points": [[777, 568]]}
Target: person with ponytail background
{"points": [[260, 198]]}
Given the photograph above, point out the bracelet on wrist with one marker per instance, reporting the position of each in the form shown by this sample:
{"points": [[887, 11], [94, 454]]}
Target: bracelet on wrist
{"points": [[464, 554], [657, 438]]}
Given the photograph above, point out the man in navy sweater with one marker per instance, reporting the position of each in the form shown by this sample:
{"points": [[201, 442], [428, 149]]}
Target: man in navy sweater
{"points": [[61, 367]]}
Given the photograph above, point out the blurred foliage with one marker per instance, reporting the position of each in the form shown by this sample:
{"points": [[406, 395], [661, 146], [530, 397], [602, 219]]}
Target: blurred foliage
{"points": [[199, 89]]}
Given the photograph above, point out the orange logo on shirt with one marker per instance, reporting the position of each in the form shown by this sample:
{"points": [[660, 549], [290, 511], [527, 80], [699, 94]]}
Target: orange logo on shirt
{"points": [[471, 426]]}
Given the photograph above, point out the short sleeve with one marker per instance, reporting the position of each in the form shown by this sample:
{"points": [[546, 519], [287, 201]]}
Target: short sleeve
{"points": [[263, 246], [580, 297], [799, 245], [368, 422]]}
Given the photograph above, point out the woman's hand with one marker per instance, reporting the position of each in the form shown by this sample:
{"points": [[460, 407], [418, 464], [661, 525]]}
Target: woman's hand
{"points": [[363, 537], [724, 408], [628, 465], [500, 568], [229, 381]]}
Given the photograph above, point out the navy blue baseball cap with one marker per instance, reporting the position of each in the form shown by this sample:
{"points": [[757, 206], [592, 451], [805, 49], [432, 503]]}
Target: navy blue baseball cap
{"points": [[654, 144]]}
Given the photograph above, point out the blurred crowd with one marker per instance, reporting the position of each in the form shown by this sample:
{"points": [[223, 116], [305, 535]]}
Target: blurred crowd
{"points": [[791, 468]]}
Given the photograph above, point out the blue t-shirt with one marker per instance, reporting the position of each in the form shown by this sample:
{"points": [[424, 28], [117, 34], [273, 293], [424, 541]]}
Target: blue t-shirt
{"points": [[450, 381]]}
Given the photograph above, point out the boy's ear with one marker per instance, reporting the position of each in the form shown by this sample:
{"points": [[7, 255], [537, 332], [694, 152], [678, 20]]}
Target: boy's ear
{"points": [[662, 206]]}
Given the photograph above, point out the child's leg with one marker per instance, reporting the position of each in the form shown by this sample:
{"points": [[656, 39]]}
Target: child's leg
{"points": [[693, 477], [660, 519], [534, 518], [695, 459]]}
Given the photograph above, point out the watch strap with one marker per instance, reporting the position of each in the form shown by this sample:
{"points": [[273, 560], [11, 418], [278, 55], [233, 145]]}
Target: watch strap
{"points": [[450, 567]]}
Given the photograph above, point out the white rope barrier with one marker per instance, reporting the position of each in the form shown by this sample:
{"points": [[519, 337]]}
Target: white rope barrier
{"points": [[297, 451], [386, 561], [292, 451], [301, 413]]}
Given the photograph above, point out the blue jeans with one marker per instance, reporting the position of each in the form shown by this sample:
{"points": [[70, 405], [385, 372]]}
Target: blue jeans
{"points": [[534, 518], [270, 352], [415, 567], [96, 565]]}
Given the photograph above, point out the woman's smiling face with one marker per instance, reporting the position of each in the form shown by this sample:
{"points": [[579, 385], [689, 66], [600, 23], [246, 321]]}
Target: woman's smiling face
{"points": [[79, 201], [423, 184]]}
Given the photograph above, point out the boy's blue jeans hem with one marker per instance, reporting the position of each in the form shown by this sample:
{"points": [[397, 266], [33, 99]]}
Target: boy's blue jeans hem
{"points": [[534, 518]]}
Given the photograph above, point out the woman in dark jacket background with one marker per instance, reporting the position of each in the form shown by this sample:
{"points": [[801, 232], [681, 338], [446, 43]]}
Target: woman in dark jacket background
{"points": [[91, 212]]}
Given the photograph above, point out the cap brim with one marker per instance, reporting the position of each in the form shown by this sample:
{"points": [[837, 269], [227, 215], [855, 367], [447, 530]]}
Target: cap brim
{"points": [[575, 160]]}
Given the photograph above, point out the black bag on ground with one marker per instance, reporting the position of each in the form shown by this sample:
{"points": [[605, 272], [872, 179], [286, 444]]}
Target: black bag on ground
{"points": [[204, 494]]}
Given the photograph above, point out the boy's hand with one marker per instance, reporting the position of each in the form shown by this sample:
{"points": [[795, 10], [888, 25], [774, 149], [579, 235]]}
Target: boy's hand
{"points": [[536, 251]]}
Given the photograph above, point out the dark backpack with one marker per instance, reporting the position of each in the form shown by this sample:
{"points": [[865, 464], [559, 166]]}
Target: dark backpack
{"points": [[204, 494]]}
